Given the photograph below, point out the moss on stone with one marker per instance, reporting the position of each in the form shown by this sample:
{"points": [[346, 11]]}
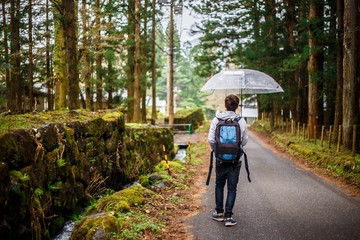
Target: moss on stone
{"points": [[96, 127], [131, 196], [109, 203], [99, 226], [172, 165], [143, 190]]}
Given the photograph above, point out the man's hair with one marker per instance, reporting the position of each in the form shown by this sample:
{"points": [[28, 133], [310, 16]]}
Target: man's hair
{"points": [[231, 102]]}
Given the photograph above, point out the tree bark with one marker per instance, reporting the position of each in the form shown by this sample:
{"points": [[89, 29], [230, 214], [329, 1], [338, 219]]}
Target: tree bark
{"points": [[137, 73], [330, 83], [99, 84], [6, 53], [70, 32], [110, 71], [350, 67], [130, 63], [292, 75], [49, 83], [171, 73], [315, 66], [31, 63], [144, 66], [16, 85], [60, 71], [86, 68], [339, 61], [153, 64], [301, 80]]}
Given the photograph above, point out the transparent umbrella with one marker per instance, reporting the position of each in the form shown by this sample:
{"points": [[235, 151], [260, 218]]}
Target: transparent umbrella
{"points": [[241, 81]]}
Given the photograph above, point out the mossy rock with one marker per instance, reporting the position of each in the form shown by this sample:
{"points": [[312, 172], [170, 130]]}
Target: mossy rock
{"points": [[17, 149], [48, 136], [71, 153], [144, 181], [99, 226], [109, 203], [96, 127], [132, 196], [348, 165], [143, 190], [4, 184], [172, 165], [78, 127]]}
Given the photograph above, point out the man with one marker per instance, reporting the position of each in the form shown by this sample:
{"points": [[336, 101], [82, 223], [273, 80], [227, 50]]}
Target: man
{"points": [[227, 171]]}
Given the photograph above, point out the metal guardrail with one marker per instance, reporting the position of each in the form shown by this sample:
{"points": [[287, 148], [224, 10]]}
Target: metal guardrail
{"points": [[175, 125]]}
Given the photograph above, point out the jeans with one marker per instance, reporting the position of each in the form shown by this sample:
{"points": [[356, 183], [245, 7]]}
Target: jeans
{"points": [[226, 173]]}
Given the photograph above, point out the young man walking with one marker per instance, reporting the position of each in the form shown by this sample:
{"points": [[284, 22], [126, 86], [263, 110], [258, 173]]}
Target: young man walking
{"points": [[227, 171]]}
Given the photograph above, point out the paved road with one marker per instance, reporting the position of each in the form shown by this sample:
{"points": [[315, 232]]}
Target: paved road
{"points": [[283, 201]]}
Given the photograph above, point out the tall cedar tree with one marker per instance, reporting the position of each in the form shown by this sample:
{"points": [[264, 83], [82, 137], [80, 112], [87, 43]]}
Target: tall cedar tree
{"points": [[6, 49], [351, 71], [339, 61], [137, 71], [31, 63], [153, 64], [130, 61], [60, 71], [86, 58], [99, 74], [315, 65], [144, 65]]}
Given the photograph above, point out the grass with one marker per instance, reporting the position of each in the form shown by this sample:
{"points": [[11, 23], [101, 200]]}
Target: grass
{"points": [[341, 165]]}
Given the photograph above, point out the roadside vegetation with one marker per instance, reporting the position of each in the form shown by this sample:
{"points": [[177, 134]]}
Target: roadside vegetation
{"points": [[340, 165], [146, 211]]}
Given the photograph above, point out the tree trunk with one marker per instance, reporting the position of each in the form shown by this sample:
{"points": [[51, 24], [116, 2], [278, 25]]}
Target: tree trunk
{"points": [[86, 68], [110, 78], [70, 32], [49, 83], [130, 63], [137, 74], [315, 66], [31, 63], [60, 71], [110, 84], [6, 53], [99, 84], [16, 88], [301, 79], [153, 64], [350, 67], [330, 83], [144, 66], [171, 73], [292, 75], [339, 61]]}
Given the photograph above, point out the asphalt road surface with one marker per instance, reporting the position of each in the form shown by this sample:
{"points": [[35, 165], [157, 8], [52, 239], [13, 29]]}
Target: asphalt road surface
{"points": [[283, 201]]}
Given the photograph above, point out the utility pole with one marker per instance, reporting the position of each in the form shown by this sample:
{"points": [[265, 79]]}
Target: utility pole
{"points": [[171, 74]]}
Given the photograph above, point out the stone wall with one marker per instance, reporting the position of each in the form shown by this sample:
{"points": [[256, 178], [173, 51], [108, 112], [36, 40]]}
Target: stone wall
{"points": [[49, 172]]}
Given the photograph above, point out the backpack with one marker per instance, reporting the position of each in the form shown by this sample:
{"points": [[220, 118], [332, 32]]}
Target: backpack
{"points": [[227, 145]]}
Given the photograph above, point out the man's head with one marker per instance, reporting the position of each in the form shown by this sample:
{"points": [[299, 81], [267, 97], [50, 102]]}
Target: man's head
{"points": [[231, 102]]}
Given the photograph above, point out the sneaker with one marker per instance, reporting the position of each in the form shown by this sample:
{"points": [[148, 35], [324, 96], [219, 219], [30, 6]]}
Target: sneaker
{"points": [[218, 216], [230, 222]]}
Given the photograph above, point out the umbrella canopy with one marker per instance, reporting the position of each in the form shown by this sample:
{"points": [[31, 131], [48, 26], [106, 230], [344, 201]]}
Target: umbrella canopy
{"points": [[241, 81]]}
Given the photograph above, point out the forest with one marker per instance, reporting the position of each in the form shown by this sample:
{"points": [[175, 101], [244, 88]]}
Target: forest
{"points": [[87, 54]]}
